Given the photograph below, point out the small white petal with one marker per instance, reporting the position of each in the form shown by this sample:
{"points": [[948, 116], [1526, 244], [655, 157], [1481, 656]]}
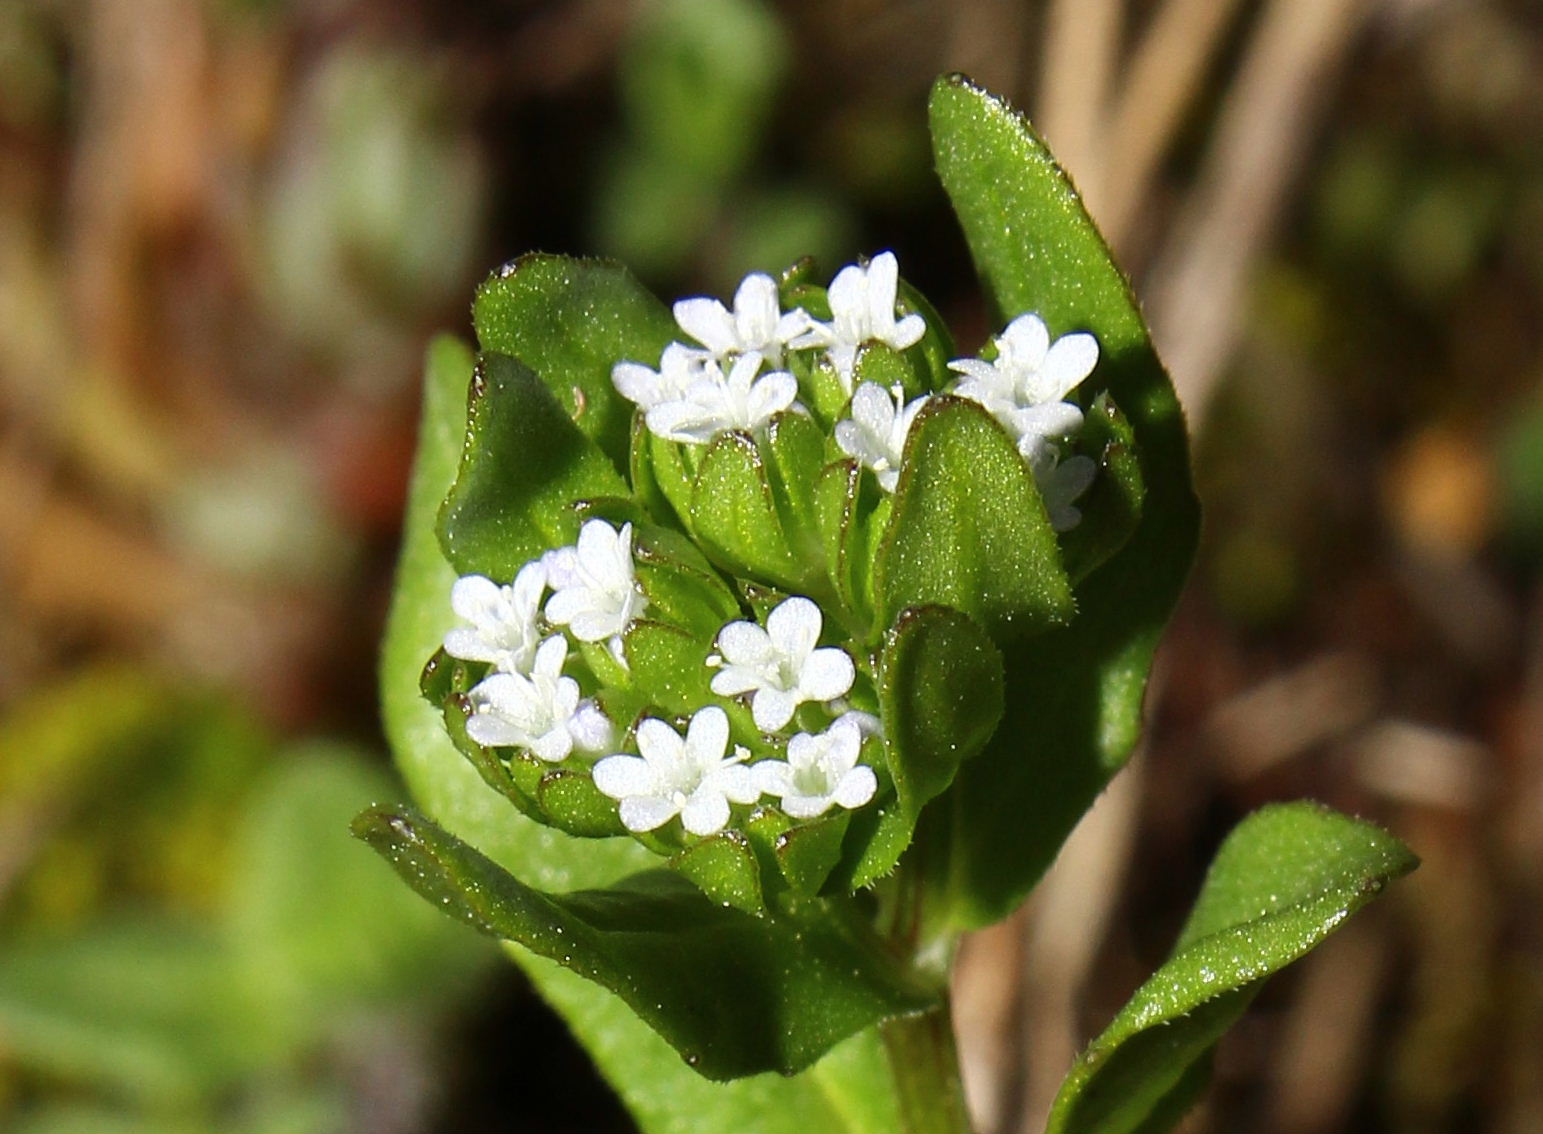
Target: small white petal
{"points": [[1070, 360], [805, 806], [475, 597], [794, 627], [641, 813], [554, 746], [737, 783], [732, 680], [773, 777], [772, 708], [707, 736], [745, 643], [492, 731], [705, 813], [590, 728], [856, 788], [620, 776], [908, 332], [659, 742], [709, 322], [827, 674]]}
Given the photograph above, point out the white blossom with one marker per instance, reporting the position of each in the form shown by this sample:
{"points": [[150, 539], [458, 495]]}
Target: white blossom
{"points": [[691, 777], [875, 433], [1025, 386], [540, 710], [862, 308], [503, 627], [779, 665], [821, 769], [714, 404], [596, 595], [679, 367], [1060, 482], [757, 324]]}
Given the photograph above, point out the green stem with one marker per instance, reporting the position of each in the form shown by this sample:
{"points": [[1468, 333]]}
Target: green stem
{"points": [[925, 1068]]}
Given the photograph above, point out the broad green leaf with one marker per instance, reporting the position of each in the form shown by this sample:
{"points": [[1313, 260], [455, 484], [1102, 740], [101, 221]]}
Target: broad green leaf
{"points": [[1286, 878], [848, 1092], [524, 467], [968, 528], [735, 515], [571, 321], [734, 994], [940, 688], [1073, 695]]}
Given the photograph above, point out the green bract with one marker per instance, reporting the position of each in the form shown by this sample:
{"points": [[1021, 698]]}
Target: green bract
{"points": [[790, 646]]}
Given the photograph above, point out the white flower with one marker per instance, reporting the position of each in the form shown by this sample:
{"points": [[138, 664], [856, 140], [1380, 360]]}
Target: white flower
{"points": [[503, 619], [875, 433], [820, 770], [679, 367], [862, 308], [714, 404], [756, 324], [1061, 482], [1025, 386], [596, 596], [540, 711], [690, 777], [780, 664]]}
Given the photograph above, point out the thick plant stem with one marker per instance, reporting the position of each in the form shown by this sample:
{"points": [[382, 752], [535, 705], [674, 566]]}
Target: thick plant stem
{"points": [[925, 1066]]}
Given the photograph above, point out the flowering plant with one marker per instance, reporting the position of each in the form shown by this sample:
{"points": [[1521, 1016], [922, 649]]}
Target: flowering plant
{"points": [[798, 640]]}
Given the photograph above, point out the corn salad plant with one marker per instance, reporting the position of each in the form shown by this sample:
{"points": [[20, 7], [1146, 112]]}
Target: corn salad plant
{"points": [[746, 654]]}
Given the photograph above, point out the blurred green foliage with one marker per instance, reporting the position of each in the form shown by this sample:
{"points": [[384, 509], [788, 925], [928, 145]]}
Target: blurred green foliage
{"points": [[699, 80], [193, 941]]}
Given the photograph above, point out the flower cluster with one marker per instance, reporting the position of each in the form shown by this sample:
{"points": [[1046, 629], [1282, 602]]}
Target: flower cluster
{"points": [[735, 377], [528, 702], [555, 639]]}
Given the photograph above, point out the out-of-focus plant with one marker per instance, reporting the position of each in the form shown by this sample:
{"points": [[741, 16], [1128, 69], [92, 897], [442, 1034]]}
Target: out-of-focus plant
{"points": [[698, 81], [844, 634], [211, 973], [374, 205]]}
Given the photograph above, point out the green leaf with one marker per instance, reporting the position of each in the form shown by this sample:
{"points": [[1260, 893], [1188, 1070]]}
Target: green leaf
{"points": [[932, 355], [734, 994], [571, 321], [850, 1091], [808, 852], [735, 515], [1286, 878], [724, 868], [794, 454], [524, 467], [1111, 508], [968, 529], [573, 802], [669, 666], [1073, 695], [940, 689]]}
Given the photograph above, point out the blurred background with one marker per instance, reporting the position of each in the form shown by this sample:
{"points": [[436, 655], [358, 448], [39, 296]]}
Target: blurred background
{"points": [[227, 229]]}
